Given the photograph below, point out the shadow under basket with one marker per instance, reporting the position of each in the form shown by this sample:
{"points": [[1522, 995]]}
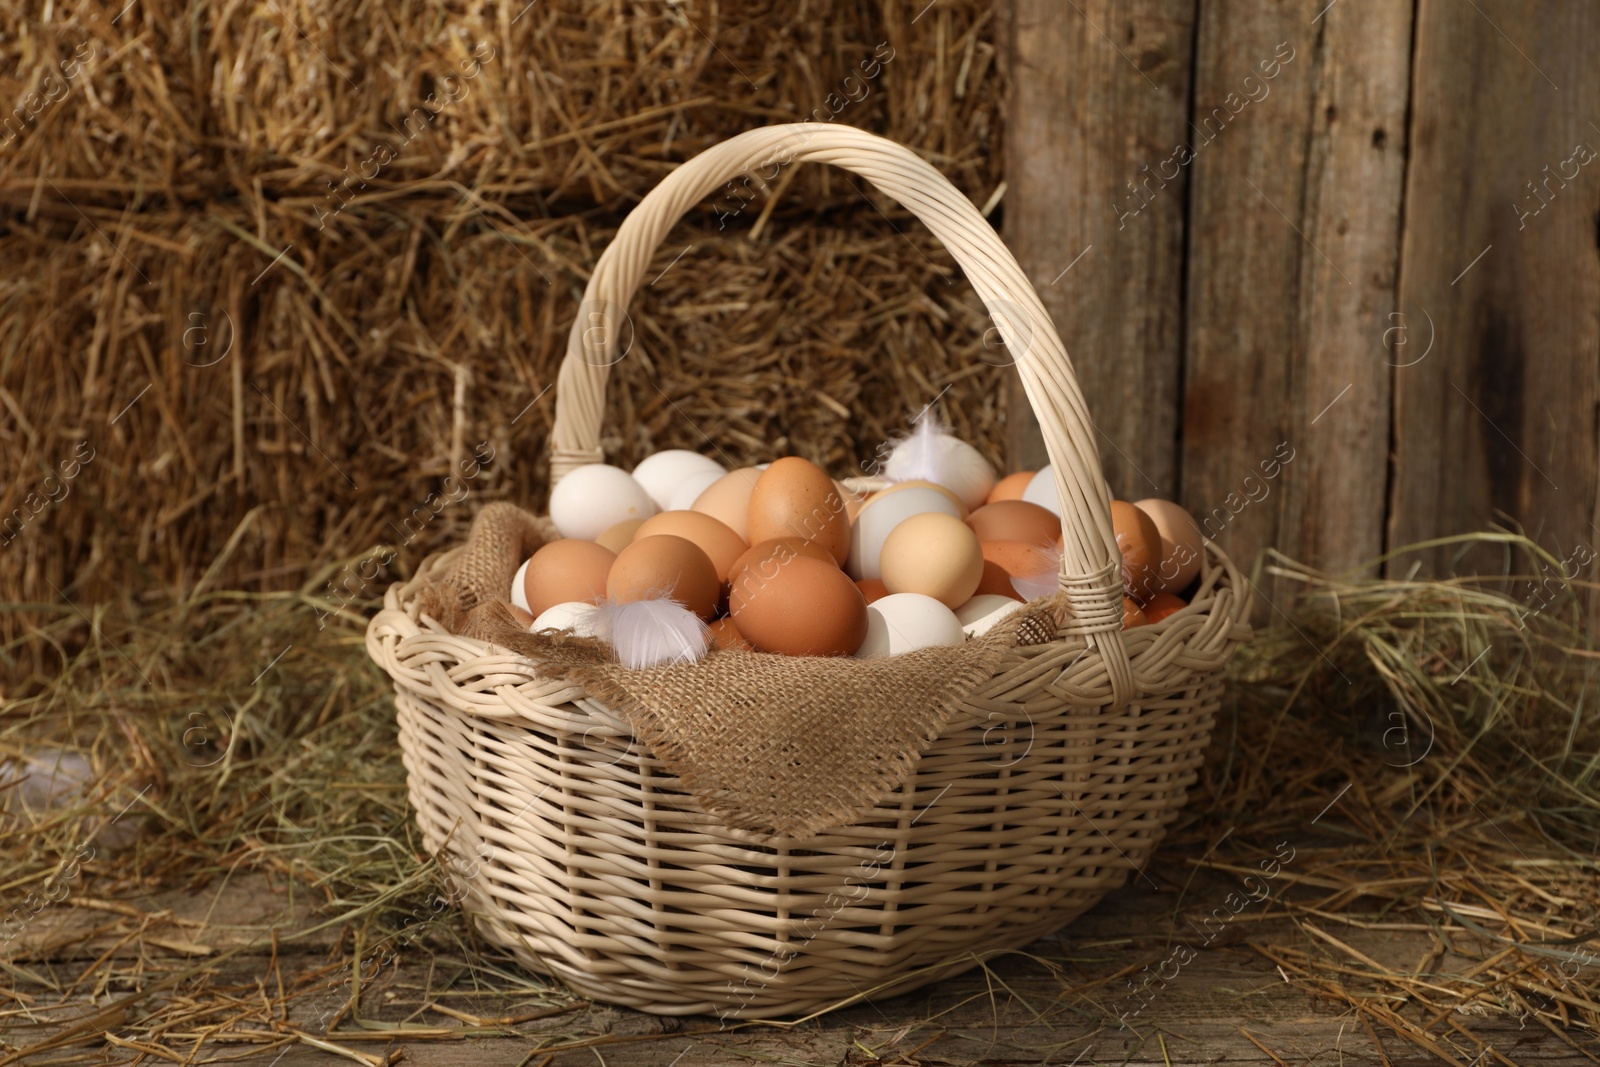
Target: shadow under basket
{"points": [[584, 854]]}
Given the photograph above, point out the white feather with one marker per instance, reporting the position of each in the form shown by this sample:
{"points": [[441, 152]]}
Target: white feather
{"points": [[651, 633], [46, 781], [917, 456], [1045, 581], [46, 778], [932, 454]]}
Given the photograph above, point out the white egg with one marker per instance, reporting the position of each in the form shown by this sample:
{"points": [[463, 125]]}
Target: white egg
{"points": [[519, 586], [593, 498], [662, 472], [880, 516], [688, 491], [905, 622], [574, 615], [947, 461], [1042, 491], [980, 614]]}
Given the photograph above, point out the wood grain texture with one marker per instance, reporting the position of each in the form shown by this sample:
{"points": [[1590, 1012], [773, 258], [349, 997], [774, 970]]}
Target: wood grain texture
{"points": [[1500, 254], [1099, 98], [1294, 230], [1063, 1002], [1340, 410]]}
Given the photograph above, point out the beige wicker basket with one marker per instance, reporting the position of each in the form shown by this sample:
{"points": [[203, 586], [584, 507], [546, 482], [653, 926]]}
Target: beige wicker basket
{"points": [[586, 858]]}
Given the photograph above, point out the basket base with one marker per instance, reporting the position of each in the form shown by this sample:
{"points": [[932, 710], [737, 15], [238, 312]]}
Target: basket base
{"points": [[781, 998]]}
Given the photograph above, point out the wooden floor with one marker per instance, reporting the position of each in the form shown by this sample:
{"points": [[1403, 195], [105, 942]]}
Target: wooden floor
{"points": [[145, 962]]}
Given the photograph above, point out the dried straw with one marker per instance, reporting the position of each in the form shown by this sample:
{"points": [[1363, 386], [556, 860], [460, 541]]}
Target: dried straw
{"points": [[186, 615], [1484, 839], [174, 204]]}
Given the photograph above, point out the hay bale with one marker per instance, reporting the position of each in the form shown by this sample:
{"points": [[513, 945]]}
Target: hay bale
{"points": [[273, 339]]}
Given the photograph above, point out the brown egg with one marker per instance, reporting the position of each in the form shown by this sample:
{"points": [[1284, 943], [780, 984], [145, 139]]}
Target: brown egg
{"points": [[933, 554], [1018, 559], [728, 500], [872, 589], [1132, 614], [724, 634], [1182, 544], [808, 608], [910, 483], [1140, 543], [1011, 487], [619, 536], [566, 570], [1015, 520], [665, 567], [713, 536], [761, 561], [796, 498], [996, 581], [521, 616], [1161, 605]]}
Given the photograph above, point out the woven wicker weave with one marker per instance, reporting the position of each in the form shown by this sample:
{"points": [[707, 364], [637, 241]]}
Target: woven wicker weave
{"points": [[586, 857]]}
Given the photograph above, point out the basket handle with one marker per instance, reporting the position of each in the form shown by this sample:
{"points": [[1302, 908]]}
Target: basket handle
{"points": [[1090, 560]]}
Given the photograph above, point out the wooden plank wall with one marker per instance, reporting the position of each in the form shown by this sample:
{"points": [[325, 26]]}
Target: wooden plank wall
{"points": [[1289, 285], [1092, 115], [1501, 251]]}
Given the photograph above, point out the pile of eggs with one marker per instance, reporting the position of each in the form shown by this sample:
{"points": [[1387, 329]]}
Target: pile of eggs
{"points": [[783, 559]]}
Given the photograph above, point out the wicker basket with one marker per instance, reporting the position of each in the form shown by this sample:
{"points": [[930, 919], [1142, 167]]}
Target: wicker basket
{"points": [[583, 855]]}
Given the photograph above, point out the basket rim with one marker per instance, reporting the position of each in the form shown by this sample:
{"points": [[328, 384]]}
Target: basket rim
{"points": [[454, 657]]}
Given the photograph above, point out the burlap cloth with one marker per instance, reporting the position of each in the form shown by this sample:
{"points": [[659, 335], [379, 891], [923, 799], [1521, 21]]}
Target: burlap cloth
{"points": [[779, 745]]}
